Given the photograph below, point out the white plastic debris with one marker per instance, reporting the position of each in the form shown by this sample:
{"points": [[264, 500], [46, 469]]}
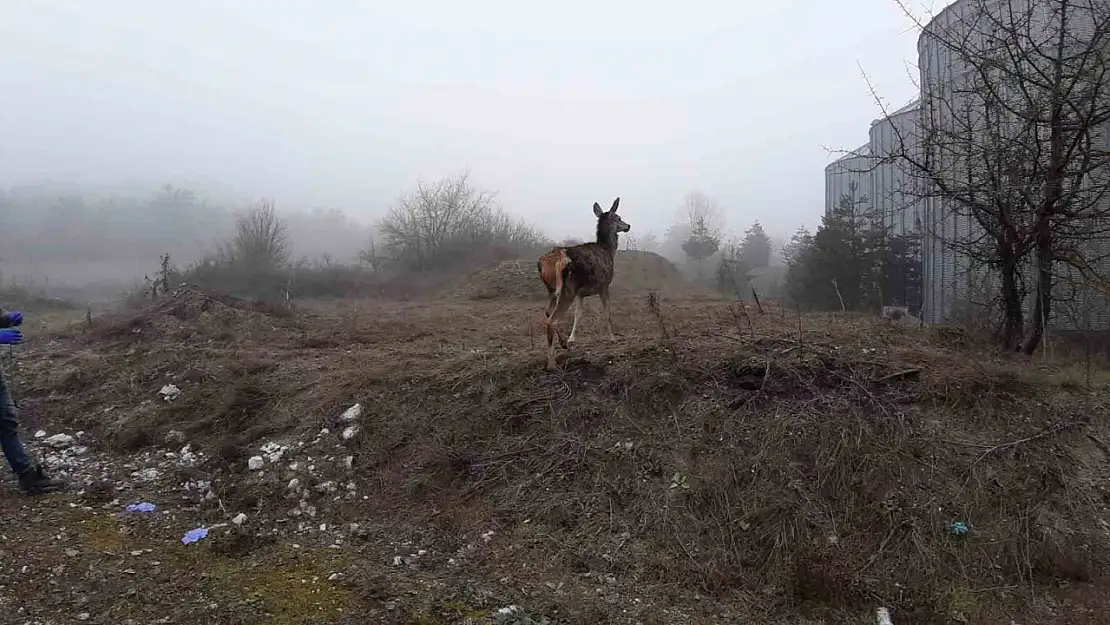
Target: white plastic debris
{"points": [[169, 392], [255, 463], [239, 519], [882, 617], [351, 414], [59, 441]]}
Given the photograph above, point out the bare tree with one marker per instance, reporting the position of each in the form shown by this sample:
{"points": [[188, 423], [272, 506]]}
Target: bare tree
{"points": [[703, 219], [261, 242], [371, 258], [436, 223], [1009, 155]]}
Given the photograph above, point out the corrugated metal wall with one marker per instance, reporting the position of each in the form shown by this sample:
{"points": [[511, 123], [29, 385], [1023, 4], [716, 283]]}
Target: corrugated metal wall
{"points": [[843, 173], [949, 280]]}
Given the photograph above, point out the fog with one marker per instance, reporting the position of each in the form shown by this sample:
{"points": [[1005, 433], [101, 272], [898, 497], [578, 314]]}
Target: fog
{"points": [[343, 106]]}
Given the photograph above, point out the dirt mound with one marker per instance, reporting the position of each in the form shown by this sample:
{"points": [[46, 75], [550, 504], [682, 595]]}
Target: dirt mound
{"points": [[823, 464], [188, 313], [637, 273]]}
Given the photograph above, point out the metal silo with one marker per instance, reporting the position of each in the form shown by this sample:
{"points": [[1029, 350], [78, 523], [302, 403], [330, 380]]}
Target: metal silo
{"points": [[849, 176], [947, 276], [949, 279], [893, 187]]}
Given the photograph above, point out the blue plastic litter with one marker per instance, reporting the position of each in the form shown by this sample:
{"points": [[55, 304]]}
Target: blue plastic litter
{"points": [[141, 507], [193, 536], [959, 528]]}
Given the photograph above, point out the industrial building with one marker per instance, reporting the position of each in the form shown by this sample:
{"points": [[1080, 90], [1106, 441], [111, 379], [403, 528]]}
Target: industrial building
{"points": [[849, 176], [950, 281]]}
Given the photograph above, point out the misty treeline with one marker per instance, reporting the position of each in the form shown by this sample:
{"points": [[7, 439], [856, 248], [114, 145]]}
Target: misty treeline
{"points": [[253, 250], [853, 262], [700, 243], [53, 238], [1010, 161]]}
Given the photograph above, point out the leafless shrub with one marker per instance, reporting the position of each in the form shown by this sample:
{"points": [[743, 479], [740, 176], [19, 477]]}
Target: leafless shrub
{"points": [[261, 241], [440, 223]]}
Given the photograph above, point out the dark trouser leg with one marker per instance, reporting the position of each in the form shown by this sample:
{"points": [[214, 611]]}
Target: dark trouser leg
{"points": [[9, 432]]}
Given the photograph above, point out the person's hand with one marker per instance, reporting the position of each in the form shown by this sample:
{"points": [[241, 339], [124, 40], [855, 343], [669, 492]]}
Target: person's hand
{"points": [[10, 337], [15, 318]]}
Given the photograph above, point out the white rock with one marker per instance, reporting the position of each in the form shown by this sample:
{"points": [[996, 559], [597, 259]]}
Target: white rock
{"points": [[882, 617], [273, 451], [239, 519], [148, 474], [255, 463], [40, 434], [352, 414], [349, 432], [59, 441], [293, 484], [169, 392], [348, 462], [175, 437]]}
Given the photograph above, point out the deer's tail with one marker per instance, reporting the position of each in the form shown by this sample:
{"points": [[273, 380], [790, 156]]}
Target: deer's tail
{"points": [[552, 266]]}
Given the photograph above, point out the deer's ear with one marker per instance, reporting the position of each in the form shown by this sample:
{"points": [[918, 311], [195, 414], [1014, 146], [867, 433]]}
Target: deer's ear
{"points": [[597, 209], [615, 203]]}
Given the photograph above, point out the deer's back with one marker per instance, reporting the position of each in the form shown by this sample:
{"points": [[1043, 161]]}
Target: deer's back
{"points": [[591, 267]]}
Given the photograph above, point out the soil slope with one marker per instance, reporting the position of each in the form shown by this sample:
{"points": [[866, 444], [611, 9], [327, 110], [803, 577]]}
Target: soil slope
{"points": [[701, 469]]}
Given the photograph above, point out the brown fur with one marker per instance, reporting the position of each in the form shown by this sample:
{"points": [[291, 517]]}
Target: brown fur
{"points": [[572, 273], [553, 267]]}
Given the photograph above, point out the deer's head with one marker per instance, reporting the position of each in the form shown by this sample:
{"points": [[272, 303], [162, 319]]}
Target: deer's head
{"points": [[609, 223]]}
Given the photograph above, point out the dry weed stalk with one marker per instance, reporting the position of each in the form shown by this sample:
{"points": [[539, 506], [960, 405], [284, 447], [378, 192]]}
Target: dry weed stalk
{"points": [[656, 310]]}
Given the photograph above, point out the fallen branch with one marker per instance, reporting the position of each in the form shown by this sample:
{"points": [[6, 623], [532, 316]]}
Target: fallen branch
{"points": [[899, 374], [1056, 429]]}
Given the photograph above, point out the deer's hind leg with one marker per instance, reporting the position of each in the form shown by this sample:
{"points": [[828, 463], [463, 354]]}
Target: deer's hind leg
{"points": [[604, 294], [555, 310]]}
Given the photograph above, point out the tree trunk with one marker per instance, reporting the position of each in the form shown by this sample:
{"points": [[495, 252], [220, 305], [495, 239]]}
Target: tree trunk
{"points": [[1043, 293], [1013, 322]]}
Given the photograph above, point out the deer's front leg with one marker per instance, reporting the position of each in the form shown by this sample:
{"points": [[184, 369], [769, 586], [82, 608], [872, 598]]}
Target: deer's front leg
{"points": [[574, 324]]}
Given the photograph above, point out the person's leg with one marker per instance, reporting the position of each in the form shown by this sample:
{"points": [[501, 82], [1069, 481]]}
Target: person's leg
{"points": [[13, 448], [32, 478]]}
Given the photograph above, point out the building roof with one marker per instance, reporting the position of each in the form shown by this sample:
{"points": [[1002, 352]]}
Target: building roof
{"points": [[906, 108], [862, 151]]}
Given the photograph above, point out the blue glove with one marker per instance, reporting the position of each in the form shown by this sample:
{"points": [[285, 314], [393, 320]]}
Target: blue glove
{"points": [[10, 337], [14, 319]]}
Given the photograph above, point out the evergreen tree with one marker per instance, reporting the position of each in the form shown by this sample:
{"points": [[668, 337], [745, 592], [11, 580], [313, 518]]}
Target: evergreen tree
{"points": [[755, 249]]}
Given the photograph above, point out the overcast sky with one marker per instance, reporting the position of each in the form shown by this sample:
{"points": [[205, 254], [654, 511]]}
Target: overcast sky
{"points": [[345, 103]]}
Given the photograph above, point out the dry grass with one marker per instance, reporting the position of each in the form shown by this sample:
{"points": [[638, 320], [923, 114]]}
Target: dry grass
{"points": [[787, 462]]}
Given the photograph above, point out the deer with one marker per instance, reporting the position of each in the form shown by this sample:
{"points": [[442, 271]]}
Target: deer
{"points": [[579, 271]]}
